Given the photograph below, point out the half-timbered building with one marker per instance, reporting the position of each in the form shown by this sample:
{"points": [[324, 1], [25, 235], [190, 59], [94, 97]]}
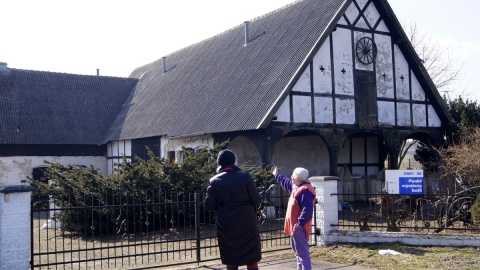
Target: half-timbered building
{"points": [[318, 83]]}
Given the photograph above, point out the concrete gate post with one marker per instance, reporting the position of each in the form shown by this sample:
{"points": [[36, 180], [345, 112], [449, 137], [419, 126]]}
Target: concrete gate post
{"points": [[15, 223], [326, 208]]}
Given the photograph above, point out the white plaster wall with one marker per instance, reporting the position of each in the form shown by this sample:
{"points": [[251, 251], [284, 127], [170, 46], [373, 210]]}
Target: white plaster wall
{"points": [[382, 27], [175, 144], [247, 153], [345, 110], [420, 119], [361, 23], [342, 59], [342, 21], [386, 113], [433, 119], [401, 69], [322, 80], [283, 113], [352, 13], [15, 169], [302, 109], [371, 13], [309, 152], [384, 66], [388, 87], [417, 90], [403, 111], [303, 84], [323, 110]]}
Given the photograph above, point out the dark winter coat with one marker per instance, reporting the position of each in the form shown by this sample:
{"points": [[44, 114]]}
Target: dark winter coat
{"points": [[233, 196]]}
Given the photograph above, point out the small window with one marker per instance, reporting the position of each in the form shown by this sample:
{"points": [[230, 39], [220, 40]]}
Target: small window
{"points": [[39, 174], [171, 156]]}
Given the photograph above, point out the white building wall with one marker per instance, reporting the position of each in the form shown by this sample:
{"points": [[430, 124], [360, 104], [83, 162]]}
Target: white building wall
{"points": [[345, 110], [323, 110], [433, 119], [322, 80], [175, 144], [303, 84], [309, 152], [342, 60], [384, 66], [404, 114], [246, 151], [283, 113], [417, 90], [397, 86], [15, 169], [386, 113], [302, 109], [116, 150], [419, 111]]}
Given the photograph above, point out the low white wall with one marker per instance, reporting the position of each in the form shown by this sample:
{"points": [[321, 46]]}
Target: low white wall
{"points": [[403, 238], [327, 214], [326, 207], [15, 227]]}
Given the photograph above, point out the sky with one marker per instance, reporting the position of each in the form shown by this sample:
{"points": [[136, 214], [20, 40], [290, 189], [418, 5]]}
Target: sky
{"points": [[116, 36]]}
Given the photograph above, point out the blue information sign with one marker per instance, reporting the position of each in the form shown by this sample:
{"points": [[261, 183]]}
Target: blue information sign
{"points": [[408, 182], [411, 185]]}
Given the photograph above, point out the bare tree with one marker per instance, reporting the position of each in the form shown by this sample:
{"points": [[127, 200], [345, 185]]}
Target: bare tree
{"points": [[463, 157], [436, 58]]}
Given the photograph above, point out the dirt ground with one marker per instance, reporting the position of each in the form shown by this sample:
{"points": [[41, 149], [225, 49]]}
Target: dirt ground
{"points": [[55, 249]]}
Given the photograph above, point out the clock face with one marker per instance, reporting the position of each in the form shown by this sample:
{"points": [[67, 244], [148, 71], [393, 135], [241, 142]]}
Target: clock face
{"points": [[366, 50]]}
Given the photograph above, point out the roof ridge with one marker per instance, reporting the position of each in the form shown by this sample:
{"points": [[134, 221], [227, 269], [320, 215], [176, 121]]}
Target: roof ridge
{"points": [[66, 73]]}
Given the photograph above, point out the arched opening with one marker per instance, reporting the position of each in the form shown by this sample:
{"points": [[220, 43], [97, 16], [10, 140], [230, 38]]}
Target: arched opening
{"points": [[363, 154], [417, 153], [246, 151], [302, 149]]}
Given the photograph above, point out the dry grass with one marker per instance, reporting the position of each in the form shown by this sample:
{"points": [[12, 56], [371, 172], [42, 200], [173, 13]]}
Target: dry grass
{"points": [[465, 258]]}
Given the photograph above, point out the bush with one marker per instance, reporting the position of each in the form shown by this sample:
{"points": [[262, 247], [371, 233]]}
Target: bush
{"points": [[132, 186], [475, 211]]}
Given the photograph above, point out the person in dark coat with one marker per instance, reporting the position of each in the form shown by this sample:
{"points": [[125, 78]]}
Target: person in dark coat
{"points": [[233, 196]]}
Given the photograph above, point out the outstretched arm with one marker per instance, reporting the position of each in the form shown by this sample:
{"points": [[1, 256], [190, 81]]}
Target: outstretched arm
{"points": [[284, 181]]}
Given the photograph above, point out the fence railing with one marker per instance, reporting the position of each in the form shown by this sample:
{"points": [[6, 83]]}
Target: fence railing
{"points": [[145, 231], [436, 213]]}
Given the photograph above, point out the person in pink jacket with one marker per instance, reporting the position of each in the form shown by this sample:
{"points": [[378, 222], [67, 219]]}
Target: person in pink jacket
{"points": [[298, 219]]}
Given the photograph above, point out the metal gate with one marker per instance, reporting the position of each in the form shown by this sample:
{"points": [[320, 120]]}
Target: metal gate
{"points": [[148, 231]]}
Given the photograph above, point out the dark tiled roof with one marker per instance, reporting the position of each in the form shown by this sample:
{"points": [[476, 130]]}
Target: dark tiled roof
{"points": [[58, 108], [220, 85]]}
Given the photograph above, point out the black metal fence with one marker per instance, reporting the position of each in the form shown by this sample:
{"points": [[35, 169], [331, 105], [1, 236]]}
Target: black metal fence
{"points": [[434, 213], [147, 231]]}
